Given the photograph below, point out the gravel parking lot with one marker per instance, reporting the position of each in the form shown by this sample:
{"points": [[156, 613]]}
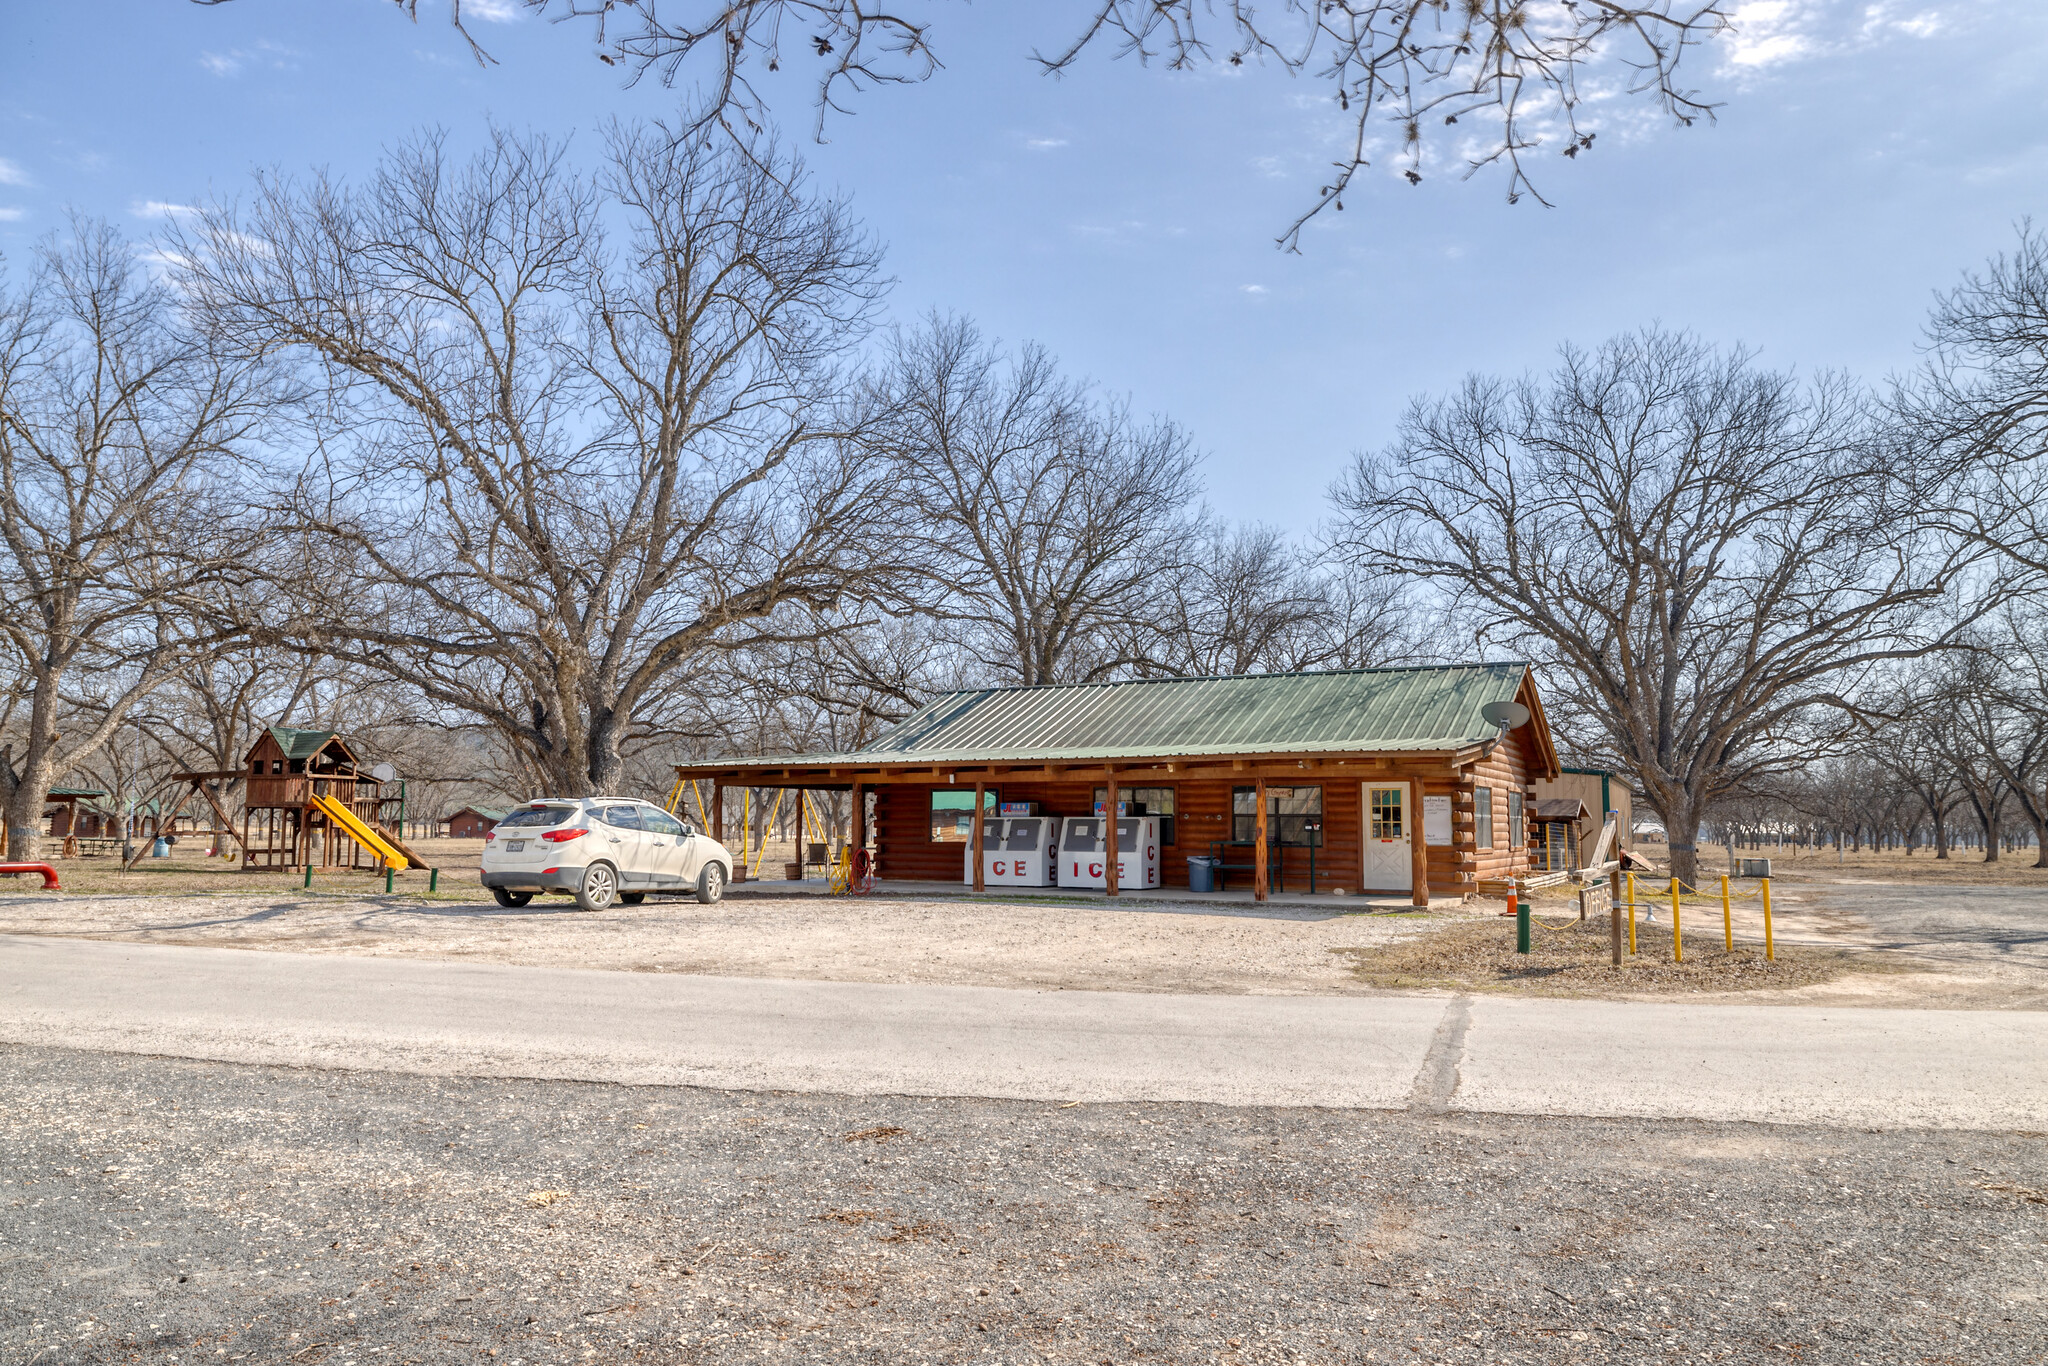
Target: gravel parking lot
{"points": [[160, 1211], [1035, 944]]}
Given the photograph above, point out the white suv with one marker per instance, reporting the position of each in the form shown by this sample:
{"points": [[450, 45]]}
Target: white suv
{"points": [[601, 849]]}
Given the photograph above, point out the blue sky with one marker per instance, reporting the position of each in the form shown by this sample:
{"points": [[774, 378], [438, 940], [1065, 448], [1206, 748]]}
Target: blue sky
{"points": [[1125, 217]]}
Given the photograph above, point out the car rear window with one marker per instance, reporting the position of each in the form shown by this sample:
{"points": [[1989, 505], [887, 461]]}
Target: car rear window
{"points": [[538, 815]]}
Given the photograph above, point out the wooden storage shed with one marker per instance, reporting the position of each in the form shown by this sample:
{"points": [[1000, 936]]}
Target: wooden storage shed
{"points": [[1376, 780], [473, 822]]}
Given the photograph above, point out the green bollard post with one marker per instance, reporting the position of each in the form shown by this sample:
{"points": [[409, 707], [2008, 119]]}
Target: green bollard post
{"points": [[1521, 910], [309, 872], [389, 873], [433, 879]]}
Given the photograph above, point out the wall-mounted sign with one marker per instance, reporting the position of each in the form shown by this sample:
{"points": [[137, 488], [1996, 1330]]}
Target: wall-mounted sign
{"points": [[1436, 820]]}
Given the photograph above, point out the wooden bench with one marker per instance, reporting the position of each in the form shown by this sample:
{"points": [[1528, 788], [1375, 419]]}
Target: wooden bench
{"points": [[1250, 867]]}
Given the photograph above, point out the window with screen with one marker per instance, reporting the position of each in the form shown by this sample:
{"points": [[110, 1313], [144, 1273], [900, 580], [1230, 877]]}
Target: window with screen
{"points": [[953, 815], [1516, 836], [1294, 816], [1157, 801], [1482, 817]]}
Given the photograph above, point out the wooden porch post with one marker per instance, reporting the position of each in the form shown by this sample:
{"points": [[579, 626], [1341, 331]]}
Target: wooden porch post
{"points": [[974, 837], [1418, 848], [1261, 879], [1109, 855], [857, 820], [718, 810]]}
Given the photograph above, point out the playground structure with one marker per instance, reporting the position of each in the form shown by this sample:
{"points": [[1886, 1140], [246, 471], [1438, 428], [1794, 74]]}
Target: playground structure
{"points": [[307, 802]]}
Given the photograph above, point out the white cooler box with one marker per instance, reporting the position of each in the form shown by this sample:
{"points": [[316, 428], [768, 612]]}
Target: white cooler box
{"points": [[1016, 851], [1137, 840]]}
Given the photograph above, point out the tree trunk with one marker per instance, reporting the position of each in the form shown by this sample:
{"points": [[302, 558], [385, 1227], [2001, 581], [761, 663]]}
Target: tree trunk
{"points": [[25, 804]]}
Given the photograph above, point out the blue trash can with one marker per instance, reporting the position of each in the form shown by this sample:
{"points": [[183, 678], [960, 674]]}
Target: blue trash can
{"points": [[161, 849], [1202, 874]]}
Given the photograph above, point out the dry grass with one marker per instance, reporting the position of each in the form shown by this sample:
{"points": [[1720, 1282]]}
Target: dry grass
{"points": [[1960, 868], [1573, 959]]}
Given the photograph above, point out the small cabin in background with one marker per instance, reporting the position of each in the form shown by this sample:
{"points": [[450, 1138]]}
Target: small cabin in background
{"points": [[472, 822]]}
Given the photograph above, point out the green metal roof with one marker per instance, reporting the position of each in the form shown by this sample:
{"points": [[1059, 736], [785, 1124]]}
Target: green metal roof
{"points": [[300, 744], [491, 814], [78, 792], [1423, 708]]}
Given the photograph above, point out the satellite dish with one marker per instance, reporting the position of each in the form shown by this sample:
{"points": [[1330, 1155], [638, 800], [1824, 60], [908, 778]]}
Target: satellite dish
{"points": [[1506, 714], [384, 773]]}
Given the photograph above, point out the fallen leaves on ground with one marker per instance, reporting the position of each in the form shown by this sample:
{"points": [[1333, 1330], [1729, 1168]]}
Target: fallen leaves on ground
{"points": [[1571, 958]]}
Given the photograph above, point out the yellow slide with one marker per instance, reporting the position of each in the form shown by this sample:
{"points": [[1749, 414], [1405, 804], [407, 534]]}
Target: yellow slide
{"points": [[360, 833]]}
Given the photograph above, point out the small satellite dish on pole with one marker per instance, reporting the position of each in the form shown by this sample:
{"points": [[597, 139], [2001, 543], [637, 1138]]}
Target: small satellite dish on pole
{"points": [[385, 773], [1506, 715]]}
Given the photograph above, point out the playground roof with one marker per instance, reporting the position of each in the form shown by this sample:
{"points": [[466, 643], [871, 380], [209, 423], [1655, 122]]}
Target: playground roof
{"points": [[300, 744]]}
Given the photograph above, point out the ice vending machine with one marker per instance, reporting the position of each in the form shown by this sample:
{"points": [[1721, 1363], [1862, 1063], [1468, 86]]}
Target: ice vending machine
{"points": [[1137, 841], [1016, 851]]}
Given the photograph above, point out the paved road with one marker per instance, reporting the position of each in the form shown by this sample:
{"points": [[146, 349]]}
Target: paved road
{"points": [[1963, 1069]]}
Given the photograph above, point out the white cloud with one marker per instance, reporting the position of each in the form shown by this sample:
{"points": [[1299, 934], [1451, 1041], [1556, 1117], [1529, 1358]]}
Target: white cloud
{"points": [[12, 174], [276, 56], [494, 11], [157, 208], [1767, 32], [12, 215], [1044, 144], [1254, 290]]}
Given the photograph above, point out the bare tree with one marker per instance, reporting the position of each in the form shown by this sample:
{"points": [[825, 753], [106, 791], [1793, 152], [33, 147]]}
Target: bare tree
{"points": [[1511, 78], [557, 471], [1703, 555], [115, 422], [1047, 519], [1253, 600], [1982, 401]]}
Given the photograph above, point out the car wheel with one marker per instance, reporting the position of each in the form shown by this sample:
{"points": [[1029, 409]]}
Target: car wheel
{"points": [[631, 898], [711, 883], [599, 888], [508, 898]]}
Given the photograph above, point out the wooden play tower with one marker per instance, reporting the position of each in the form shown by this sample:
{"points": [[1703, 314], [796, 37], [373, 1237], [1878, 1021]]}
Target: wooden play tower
{"points": [[308, 798]]}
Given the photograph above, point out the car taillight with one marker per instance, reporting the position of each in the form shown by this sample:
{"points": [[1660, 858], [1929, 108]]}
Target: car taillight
{"points": [[490, 835], [563, 836]]}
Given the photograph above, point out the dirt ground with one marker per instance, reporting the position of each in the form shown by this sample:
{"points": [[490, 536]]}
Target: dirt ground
{"points": [[1835, 947]]}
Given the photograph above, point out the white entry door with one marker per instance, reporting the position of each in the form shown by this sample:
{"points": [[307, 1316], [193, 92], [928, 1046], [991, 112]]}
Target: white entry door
{"points": [[1386, 854]]}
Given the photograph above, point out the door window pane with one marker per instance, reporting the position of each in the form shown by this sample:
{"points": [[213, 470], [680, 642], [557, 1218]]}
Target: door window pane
{"points": [[1386, 812], [1157, 801], [659, 822], [953, 814]]}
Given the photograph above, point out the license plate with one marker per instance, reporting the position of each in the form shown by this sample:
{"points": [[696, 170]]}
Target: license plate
{"points": [[515, 846]]}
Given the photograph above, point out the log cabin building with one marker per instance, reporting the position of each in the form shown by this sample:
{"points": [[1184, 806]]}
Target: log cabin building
{"points": [[1383, 781]]}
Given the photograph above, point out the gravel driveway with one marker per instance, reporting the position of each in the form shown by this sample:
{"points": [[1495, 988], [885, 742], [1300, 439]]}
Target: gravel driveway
{"points": [[161, 1211]]}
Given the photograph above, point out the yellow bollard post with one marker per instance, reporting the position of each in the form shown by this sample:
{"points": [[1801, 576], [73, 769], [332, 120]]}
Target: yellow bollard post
{"points": [[1769, 951], [1631, 913], [1727, 917], [1677, 944]]}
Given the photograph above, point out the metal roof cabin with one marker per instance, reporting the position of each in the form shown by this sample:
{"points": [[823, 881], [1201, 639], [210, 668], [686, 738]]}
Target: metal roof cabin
{"points": [[1378, 780]]}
